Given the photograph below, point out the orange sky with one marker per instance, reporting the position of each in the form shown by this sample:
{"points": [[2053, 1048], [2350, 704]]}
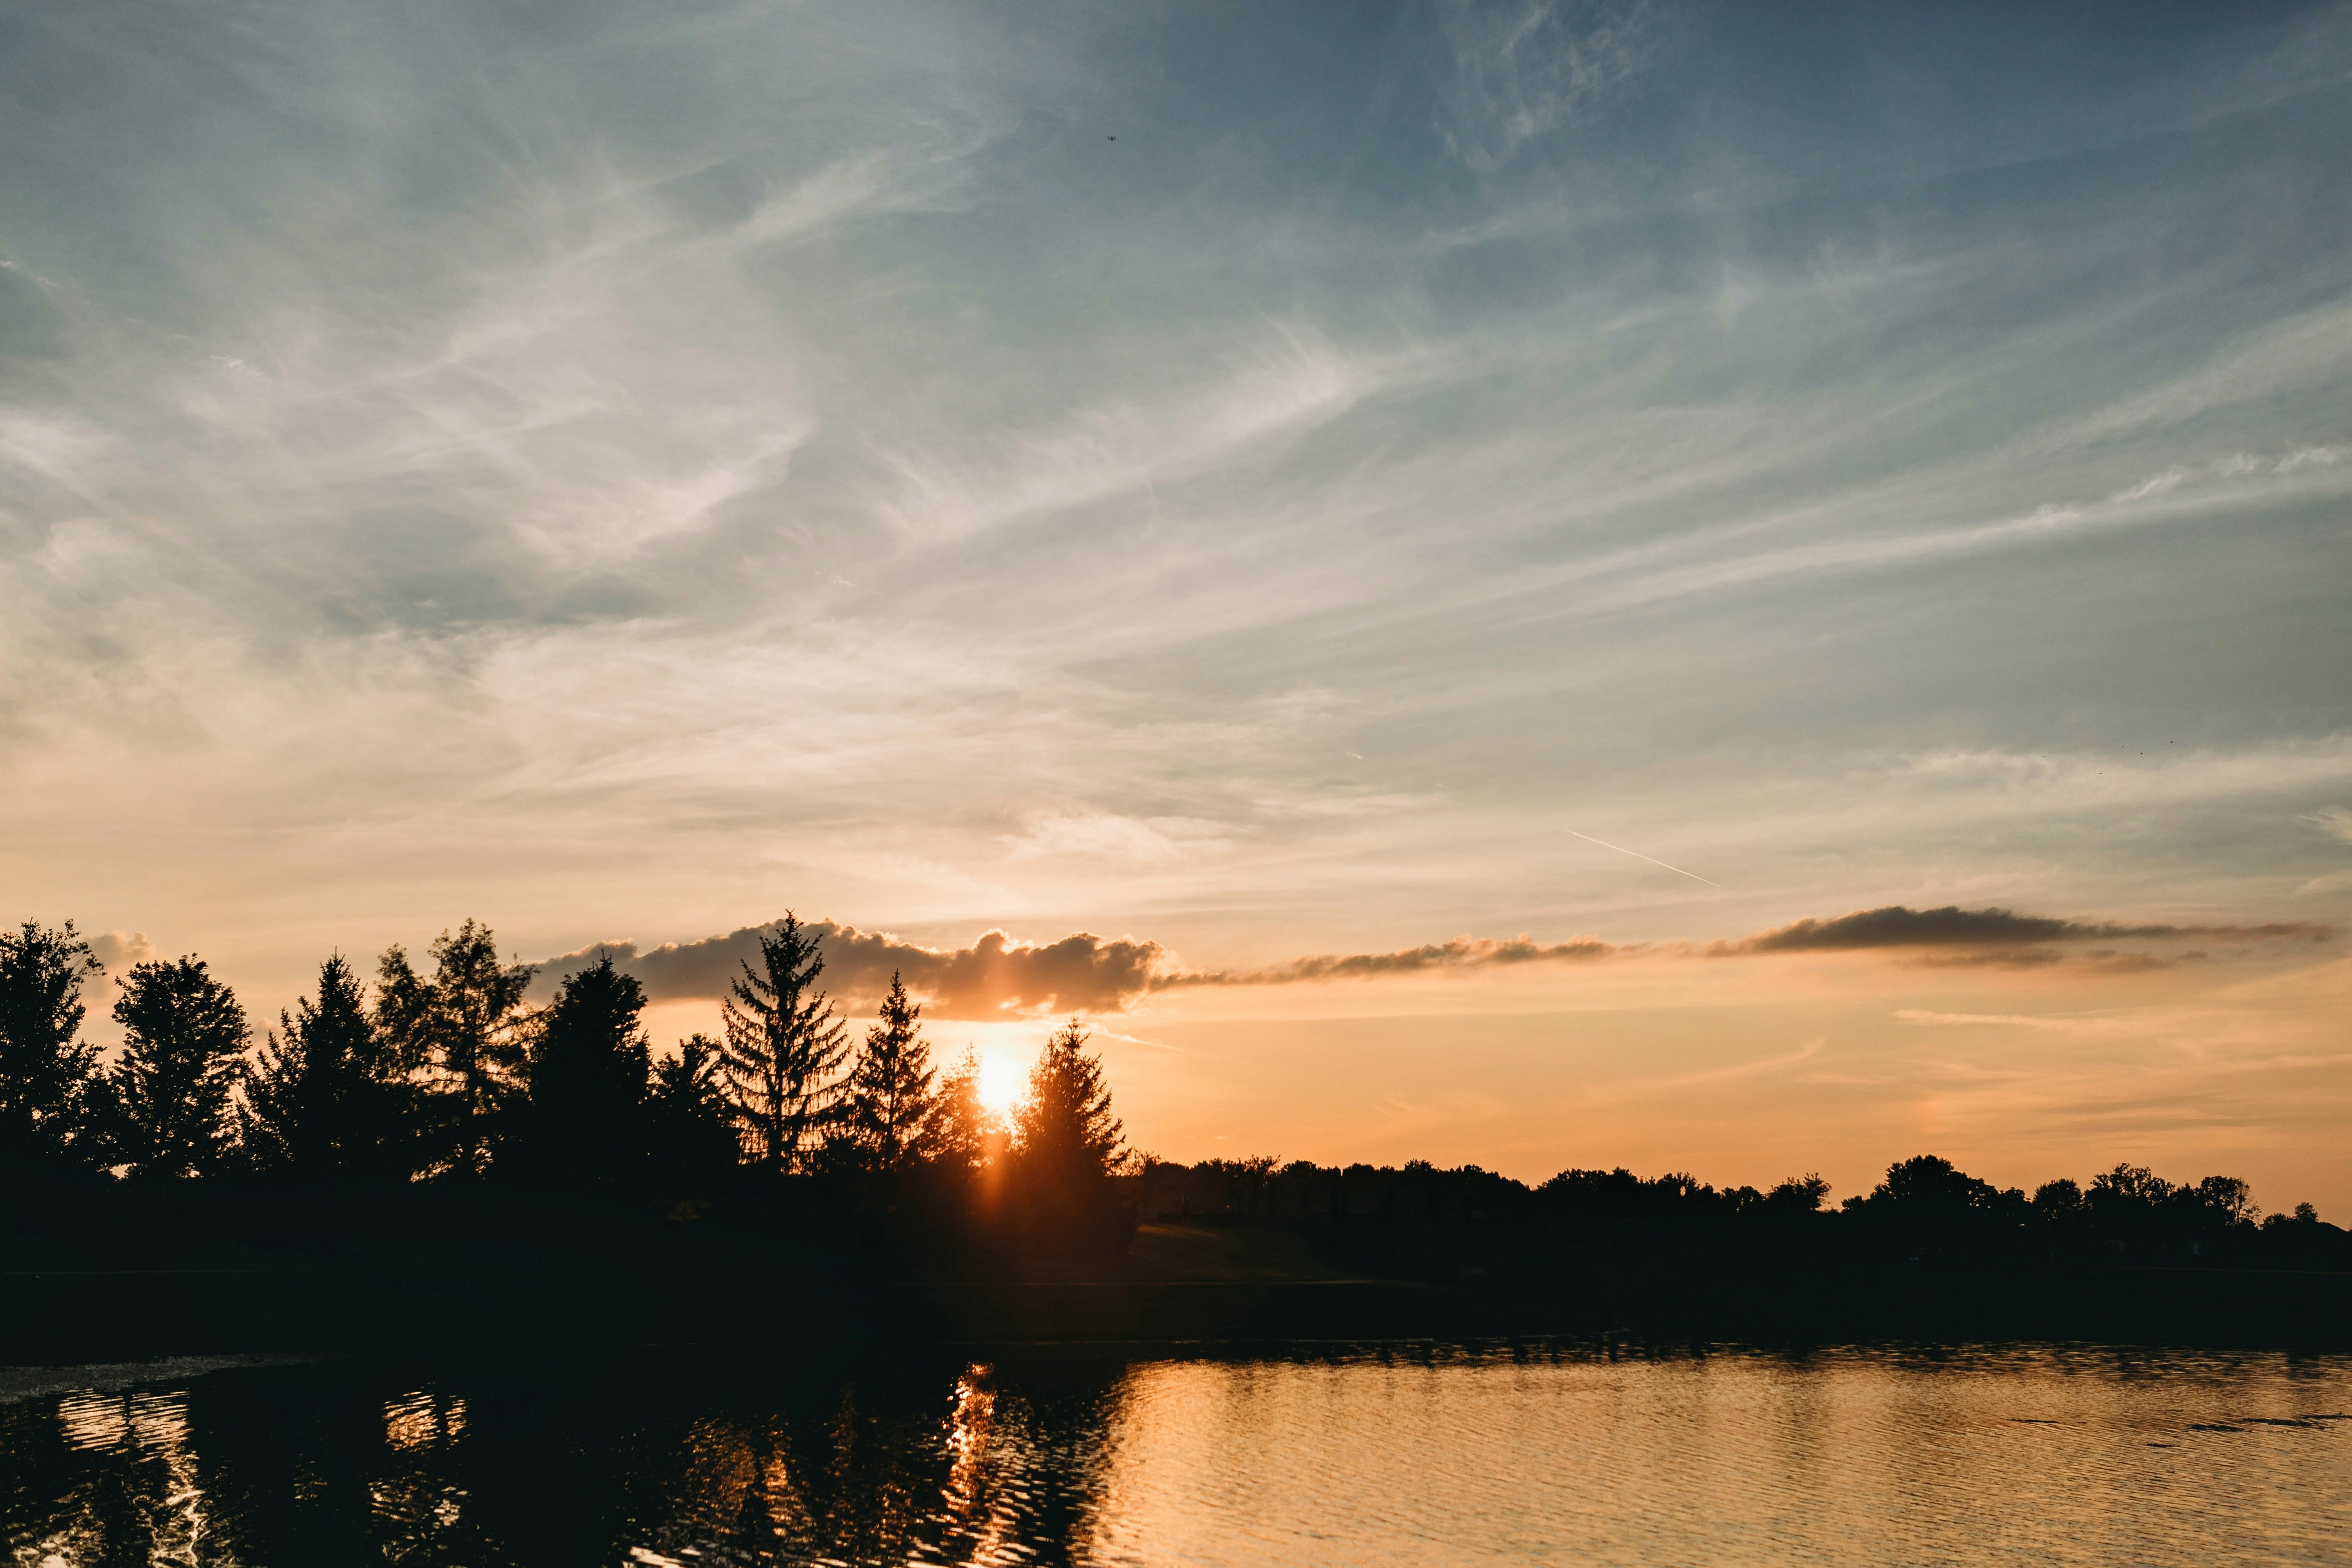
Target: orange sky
{"points": [[1288, 496]]}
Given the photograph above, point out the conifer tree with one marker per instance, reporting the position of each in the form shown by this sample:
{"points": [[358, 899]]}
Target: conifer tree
{"points": [[783, 1046], [460, 1034], [695, 1141], [586, 1077], [1064, 1131], [45, 1074], [1066, 1146], [324, 1101], [960, 1132], [886, 1109], [166, 1099]]}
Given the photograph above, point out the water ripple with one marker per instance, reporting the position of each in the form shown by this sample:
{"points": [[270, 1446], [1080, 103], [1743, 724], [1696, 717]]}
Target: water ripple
{"points": [[1551, 1453]]}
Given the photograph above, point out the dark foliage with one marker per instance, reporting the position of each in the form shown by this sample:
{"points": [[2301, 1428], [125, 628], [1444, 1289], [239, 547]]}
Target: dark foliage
{"points": [[1467, 1221], [444, 1122], [461, 1035], [783, 1046], [962, 1133], [1064, 1130], [1067, 1145], [164, 1105], [325, 1102], [585, 1078], [886, 1109], [695, 1147], [45, 1074]]}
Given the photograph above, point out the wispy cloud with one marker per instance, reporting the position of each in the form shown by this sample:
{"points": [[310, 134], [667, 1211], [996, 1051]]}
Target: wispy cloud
{"points": [[2009, 1021], [1529, 68], [613, 472], [1460, 954]]}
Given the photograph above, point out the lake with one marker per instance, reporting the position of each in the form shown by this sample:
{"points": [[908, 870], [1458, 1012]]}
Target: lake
{"points": [[1556, 1452]]}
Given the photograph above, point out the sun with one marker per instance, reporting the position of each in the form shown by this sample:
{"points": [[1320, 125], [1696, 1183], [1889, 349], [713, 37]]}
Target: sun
{"points": [[1002, 1082]]}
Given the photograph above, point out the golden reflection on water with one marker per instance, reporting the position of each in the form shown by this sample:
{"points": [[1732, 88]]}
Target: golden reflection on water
{"points": [[422, 1419], [1552, 1453], [971, 1405], [147, 1433], [977, 1513], [1863, 1459]]}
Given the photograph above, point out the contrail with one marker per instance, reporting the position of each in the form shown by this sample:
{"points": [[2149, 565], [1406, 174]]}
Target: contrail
{"points": [[1638, 855]]}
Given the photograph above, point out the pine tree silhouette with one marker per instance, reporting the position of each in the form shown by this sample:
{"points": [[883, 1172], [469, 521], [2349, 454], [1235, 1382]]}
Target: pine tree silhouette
{"points": [[1066, 1144], [962, 1133], [694, 1141], [586, 1077], [325, 1101], [783, 1046], [887, 1106], [1065, 1129]]}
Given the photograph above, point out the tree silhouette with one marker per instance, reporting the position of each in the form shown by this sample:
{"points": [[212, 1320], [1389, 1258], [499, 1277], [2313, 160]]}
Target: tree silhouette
{"points": [[2060, 1202], [1065, 1129], [2129, 1189], [694, 1139], [1929, 1189], [460, 1033], [166, 1099], [784, 1045], [585, 1076], [1066, 1145], [326, 1102], [962, 1133], [886, 1104], [44, 1073], [1798, 1195], [2226, 1200]]}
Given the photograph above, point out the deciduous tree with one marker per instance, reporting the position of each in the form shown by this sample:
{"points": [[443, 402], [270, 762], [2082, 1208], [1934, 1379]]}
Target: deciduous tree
{"points": [[166, 1099], [461, 1035], [46, 1072]]}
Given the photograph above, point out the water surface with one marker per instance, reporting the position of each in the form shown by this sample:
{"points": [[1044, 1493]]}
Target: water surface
{"points": [[1553, 1453]]}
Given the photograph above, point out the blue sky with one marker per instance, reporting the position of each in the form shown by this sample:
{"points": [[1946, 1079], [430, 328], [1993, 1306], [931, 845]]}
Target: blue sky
{"points": [[1259, 481]]}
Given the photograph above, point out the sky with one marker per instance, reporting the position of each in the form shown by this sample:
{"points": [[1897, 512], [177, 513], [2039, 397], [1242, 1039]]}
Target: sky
{"points": [[1723, 589]]}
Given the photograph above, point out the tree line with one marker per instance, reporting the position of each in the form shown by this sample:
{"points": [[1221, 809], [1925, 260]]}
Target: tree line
{"points": [[444, 1075], [439, 1073], [1444, 1221]]}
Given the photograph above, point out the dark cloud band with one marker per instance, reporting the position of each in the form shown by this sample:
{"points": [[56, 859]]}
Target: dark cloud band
{"points": [[1989, 930], [998, 977], [995, 977]]}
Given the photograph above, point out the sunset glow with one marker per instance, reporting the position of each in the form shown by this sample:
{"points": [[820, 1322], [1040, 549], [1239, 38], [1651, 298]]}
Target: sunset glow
{"points": [[1539, 780], [1003, 1080], [1717, 589]]}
